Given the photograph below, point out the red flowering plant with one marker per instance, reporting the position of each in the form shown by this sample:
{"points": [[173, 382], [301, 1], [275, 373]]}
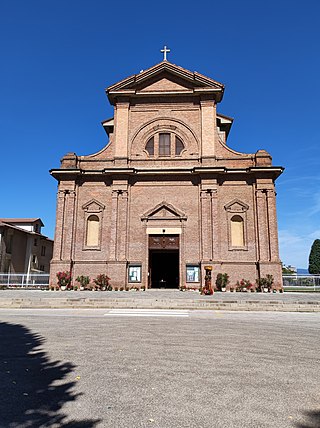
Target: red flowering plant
{"points": [[64, 279], [207, 291], [244, 284], [102, 282]]}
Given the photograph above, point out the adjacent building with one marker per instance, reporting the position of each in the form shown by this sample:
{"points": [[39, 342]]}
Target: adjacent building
{"points": [[166, 196], [23, 248]]}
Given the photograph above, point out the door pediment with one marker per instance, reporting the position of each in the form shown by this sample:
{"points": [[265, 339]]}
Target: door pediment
{"points": [[164, 211]]}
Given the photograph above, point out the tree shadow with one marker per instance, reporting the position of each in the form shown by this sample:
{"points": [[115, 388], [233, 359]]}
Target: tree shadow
{"points": [[314, 420], [32, 390]]}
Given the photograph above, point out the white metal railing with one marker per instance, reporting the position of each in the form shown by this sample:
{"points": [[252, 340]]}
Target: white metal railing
{"points": [[303, 282], [41, 280], [24, 280]]}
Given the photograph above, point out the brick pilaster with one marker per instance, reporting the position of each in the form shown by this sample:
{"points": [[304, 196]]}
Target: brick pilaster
{"points": [[273, 227], [262, 222]]}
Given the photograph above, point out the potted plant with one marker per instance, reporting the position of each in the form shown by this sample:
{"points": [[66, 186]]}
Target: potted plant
{"points": [[83, 281], [222, 281], [102, 281], [64, 280], [269, 281], [245, 285], [265, 283]]}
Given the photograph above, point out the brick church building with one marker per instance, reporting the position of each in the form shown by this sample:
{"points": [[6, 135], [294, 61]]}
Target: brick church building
{"points": [[166, 196]]}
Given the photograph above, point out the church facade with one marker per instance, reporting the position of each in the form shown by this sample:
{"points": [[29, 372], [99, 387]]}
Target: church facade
{"points": [[166, 196]]}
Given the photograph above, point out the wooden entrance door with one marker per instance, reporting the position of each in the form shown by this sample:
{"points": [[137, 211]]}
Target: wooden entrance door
{"points": [[164, 261]]}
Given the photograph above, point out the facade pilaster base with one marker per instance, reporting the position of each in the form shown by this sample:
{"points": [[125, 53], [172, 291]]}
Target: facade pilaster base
{"points": [[58, 266], [271, 268]]}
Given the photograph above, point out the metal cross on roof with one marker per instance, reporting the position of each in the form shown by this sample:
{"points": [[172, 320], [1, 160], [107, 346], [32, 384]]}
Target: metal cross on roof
{"points": [[165, 50]]}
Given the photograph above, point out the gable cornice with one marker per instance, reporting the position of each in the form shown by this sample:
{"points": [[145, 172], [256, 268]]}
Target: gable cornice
{"points": [[179, 215], [201, 84], [243, 205]]}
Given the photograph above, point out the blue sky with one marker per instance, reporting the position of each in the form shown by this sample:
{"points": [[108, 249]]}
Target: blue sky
{"points": [[57, 57]]}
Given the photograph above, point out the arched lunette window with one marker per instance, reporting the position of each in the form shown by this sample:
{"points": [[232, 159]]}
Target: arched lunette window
{"points": [[179, 146], [92, 238], [150, 146], [164, 144], [237, 231]]}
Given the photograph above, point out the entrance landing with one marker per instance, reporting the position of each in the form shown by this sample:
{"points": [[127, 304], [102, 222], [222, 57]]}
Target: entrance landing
{"points": [[161, 299]]}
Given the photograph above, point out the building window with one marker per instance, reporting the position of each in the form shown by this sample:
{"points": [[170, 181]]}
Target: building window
{"points": [[134, 273], [237, 231], [92, 239], [164, 144], [179, 146], [34, 259], [193, 273], [43, 250], [35, 242], [150, 146], [9, 244], [36, 228], [42, 267]]}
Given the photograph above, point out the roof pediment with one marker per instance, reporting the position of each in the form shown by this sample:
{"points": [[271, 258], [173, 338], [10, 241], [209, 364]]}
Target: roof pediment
{"points": [[165, 78]]}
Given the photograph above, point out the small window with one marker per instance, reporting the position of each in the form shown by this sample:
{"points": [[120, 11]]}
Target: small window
{"points": [[150, 146], [164, 145], [34, 259], [179, 146], [237, 231], [35, 242], [92, 231], [43, 250], [42, 267], [9, 244]]}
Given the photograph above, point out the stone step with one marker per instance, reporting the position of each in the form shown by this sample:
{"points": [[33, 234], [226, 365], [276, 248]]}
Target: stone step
{"points": [[151, 303]]}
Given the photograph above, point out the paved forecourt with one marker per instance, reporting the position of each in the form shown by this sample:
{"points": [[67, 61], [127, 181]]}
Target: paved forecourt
{"points": [[125, 368], [161, 299]]}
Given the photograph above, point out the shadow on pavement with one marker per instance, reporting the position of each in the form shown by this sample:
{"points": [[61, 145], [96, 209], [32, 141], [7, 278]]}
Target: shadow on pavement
{"points": [[32, 390], [314, 420]]}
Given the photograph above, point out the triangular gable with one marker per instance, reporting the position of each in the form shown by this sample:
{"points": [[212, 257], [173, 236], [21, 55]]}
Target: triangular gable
{"points": [[236, 206], [164, 84], [164, 211], [93, 206], [184, 78]]}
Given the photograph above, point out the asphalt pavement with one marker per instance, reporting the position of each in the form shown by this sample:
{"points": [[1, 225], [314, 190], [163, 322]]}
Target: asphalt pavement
{"points": [[163, 369]]}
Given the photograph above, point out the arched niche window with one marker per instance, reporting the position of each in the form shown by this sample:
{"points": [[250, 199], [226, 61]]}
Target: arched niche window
{"points": [[237, 231], [164, 144], [93, 228], [93, 216]]}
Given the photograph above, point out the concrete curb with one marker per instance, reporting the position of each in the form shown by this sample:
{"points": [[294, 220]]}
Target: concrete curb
{"points": [[131, 303]]}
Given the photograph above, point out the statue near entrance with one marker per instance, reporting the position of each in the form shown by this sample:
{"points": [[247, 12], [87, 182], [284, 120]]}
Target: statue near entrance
{"points": [[207, 288]]}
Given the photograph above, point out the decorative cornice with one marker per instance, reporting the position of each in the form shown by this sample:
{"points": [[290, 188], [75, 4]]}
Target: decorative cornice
{"points": [[201, 170]]}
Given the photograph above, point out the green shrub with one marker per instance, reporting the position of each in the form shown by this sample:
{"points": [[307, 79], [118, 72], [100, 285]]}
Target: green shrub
{"points": [[314, 258]]}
